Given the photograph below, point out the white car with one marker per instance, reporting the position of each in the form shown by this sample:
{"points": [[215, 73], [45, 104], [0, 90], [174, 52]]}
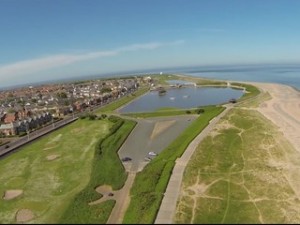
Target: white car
{"points": [[152, 153]]}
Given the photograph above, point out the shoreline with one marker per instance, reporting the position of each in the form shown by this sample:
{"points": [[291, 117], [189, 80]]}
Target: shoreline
{"points": [[283, 109]]}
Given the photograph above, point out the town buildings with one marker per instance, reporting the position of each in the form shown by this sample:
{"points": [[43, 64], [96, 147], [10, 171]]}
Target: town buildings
{"points": [[28, 108]]}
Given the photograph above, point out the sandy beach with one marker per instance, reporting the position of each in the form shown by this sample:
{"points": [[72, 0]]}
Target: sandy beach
{"points": [[283, 110]]}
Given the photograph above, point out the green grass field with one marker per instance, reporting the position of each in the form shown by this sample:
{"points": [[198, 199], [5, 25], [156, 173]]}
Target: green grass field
{"points": [[107, 169], [251, 91], [255, 102], [49, 185], [243, 172], [168, 112]]}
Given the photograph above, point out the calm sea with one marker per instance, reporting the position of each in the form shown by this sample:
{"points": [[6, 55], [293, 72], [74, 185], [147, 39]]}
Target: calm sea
{"points": [[283, 74]]}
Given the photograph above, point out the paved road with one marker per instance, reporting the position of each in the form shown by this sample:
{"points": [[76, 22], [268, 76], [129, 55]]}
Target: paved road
{"points": [[139, 143], [167, 209]]}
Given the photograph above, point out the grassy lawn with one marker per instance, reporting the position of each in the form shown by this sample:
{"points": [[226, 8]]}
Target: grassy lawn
{"points": [[244, 172], [107, 169], [122, 101], [255, 102], [168, 112], [251, 91], [162, 79], [150, 184], [50, 185]]}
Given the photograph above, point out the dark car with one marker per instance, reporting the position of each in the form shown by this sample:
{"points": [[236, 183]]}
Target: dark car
{"points": [[126, 159]]}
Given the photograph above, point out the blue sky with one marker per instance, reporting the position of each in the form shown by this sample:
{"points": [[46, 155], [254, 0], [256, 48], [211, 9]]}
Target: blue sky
{"points": [[44, 40]]}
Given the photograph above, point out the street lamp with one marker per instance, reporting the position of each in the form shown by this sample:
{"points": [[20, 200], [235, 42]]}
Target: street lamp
{"points": [[52, 122], [27, 130]]}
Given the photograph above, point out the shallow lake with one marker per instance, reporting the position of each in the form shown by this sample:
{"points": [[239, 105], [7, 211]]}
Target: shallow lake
{"points": [[185, 97]]}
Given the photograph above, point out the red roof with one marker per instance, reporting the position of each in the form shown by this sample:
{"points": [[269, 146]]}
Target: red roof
{"points": [[9, 118]]}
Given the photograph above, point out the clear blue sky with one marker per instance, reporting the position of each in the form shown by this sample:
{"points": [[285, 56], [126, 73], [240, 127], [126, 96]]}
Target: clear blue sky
{"points": [[53, 39]]}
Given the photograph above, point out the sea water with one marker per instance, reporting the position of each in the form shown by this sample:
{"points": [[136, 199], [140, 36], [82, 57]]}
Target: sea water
{"points": [[283, 74]]}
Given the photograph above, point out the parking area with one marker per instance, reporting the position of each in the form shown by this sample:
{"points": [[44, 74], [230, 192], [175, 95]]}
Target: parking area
{"points": [[151, 135]]}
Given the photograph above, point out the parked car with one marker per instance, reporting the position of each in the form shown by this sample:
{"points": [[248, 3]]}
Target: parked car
{"points": [[126, 159], [152, 153]]}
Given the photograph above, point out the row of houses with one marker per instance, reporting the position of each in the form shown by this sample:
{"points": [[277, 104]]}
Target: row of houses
{"points": [[17, 126]]}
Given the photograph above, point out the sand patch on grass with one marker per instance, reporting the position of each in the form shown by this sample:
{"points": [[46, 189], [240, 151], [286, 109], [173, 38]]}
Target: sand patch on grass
{"points": [[11, 194], [49, 148], [76, 130], [55, 139], [52, 157], [104, 189], [24, 215], [159, 127]]}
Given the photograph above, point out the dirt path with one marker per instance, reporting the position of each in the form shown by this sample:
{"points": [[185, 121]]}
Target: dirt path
{"points": [[122, 201]]}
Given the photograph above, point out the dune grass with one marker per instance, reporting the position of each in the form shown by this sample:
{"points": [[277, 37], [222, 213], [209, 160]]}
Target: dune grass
{"points": [[244, 172], [251, 91], [255, 102]]}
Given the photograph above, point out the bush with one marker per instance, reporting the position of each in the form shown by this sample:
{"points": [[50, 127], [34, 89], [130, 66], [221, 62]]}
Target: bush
{"points": [[22, 134], [113, 118], [188, 112], [92, 116], [198, 111], [83, 116]]}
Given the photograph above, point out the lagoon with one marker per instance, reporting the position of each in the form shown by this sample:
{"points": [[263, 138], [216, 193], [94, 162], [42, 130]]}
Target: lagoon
{"points": [[186, 97]]}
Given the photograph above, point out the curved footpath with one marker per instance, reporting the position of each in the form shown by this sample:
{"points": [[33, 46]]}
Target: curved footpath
{"points": [[167, 209]]}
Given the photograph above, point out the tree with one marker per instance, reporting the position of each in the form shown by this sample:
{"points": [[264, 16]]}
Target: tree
{"points": [[105, 90], [92, 116], [198, 111], [62, 94]]}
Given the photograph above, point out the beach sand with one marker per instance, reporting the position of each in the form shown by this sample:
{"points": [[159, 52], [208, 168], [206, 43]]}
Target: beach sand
{"points": [[283, 110]]}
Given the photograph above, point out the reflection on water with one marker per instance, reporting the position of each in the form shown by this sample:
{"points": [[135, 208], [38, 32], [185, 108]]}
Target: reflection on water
{"points": [[187, 97]]}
